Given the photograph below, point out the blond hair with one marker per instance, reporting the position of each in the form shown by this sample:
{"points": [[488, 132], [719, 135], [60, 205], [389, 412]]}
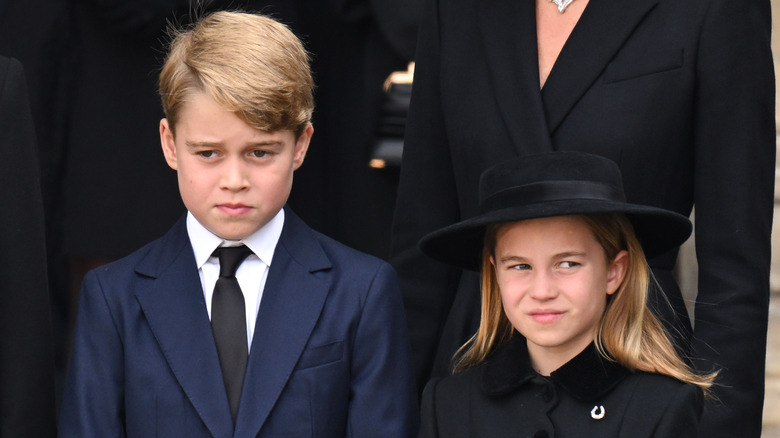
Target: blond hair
{"points": [[247, 63], [628, 333]]}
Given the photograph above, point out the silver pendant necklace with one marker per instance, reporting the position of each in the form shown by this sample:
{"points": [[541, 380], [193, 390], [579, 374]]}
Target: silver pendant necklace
{"points": [[562, 4]]}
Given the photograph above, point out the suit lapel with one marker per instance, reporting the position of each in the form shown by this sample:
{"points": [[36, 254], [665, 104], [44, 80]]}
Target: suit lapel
{"points": [[600, 32], [290, 308], [175, 309], [509, 41]]}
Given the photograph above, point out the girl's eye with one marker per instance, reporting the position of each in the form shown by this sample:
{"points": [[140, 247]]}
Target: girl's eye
{"points": [[569, 265], [520, 267]]}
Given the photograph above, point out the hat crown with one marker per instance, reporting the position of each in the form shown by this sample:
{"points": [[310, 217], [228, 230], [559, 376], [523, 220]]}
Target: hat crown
{"points": [[555, 176], [552, 184]]}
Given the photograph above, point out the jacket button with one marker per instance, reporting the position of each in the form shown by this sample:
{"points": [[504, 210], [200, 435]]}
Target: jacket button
{"points": [[541, 434]]}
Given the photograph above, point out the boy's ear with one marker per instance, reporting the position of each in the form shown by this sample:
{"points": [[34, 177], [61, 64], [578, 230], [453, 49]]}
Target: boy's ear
{"points": [[302, 145], [168, 144], [617, 272]]}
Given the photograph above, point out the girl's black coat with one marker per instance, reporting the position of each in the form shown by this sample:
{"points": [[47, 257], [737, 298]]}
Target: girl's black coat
{"points": [[505, 397]]}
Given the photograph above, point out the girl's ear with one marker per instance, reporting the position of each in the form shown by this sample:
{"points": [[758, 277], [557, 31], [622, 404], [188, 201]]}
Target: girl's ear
{"points": [[617, 272]]}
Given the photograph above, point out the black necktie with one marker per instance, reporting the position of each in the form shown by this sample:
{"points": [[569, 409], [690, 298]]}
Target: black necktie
{"points": [[228, 322]]}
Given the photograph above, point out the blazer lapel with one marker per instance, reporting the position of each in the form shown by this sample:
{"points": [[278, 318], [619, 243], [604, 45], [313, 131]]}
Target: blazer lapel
{"points": [[175, 309], [598, 35], [290, 308], [509, 43]]}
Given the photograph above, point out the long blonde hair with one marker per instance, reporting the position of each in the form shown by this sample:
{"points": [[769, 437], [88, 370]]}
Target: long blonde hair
{"points": [[628, 333]]}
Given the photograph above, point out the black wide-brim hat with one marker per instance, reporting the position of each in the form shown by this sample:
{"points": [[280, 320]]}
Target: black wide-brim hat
{"points": [[546, 185]]}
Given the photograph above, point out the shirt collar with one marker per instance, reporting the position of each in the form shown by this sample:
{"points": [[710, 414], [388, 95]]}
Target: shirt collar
{"points": [[262, 242], [587, 376]]}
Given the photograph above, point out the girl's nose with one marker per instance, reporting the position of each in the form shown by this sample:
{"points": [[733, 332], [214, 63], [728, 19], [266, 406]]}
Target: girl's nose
{"points": [[542, 287]]}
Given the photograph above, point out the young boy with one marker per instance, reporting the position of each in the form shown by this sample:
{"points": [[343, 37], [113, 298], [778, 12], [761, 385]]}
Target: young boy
{"points": [[306, 338]]}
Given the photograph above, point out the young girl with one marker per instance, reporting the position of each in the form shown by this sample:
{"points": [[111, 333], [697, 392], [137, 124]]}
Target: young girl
{"points": [[567, 346]]}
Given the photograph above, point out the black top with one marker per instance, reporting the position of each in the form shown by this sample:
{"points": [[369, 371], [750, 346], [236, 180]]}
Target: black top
{"points": [[586, 397]]}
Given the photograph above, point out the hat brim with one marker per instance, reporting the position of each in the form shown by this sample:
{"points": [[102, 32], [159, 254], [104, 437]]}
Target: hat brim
{"points": [[461, 244]]}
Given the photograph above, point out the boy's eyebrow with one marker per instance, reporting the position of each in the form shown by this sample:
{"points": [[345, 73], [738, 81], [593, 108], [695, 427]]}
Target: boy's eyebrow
{"points": [[201, 144], [214, 144], [267, 143]]}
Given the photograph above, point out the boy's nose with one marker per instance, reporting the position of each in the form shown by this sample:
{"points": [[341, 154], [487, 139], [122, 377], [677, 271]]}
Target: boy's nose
{"points": [[234, 176]]}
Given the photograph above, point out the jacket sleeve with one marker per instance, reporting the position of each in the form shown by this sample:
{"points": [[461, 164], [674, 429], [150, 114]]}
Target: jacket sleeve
{"points": [[734, 128], [383, 400], [92, 403], [427, 200]]}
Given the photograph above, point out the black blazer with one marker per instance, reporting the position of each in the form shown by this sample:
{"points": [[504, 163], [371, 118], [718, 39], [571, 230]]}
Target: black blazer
{"points": [[679, 93], [586, 397], [26, 354]]}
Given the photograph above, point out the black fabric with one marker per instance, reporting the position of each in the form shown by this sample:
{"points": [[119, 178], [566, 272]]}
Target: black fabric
{"points": [[228, 322], [588, 396], [27, 407], [552, 184], [355, 44], [587, 376], [553, 190]]}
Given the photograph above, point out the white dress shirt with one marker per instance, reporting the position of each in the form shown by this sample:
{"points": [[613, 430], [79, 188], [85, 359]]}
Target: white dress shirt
{"points": [[251, 274]]}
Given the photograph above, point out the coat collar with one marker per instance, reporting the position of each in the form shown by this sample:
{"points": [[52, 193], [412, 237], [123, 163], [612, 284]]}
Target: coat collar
{"points": [[586, 377]]}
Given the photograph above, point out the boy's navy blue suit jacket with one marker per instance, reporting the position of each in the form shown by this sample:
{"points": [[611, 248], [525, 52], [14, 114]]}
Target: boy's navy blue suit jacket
{"points": [[329, 355]]}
